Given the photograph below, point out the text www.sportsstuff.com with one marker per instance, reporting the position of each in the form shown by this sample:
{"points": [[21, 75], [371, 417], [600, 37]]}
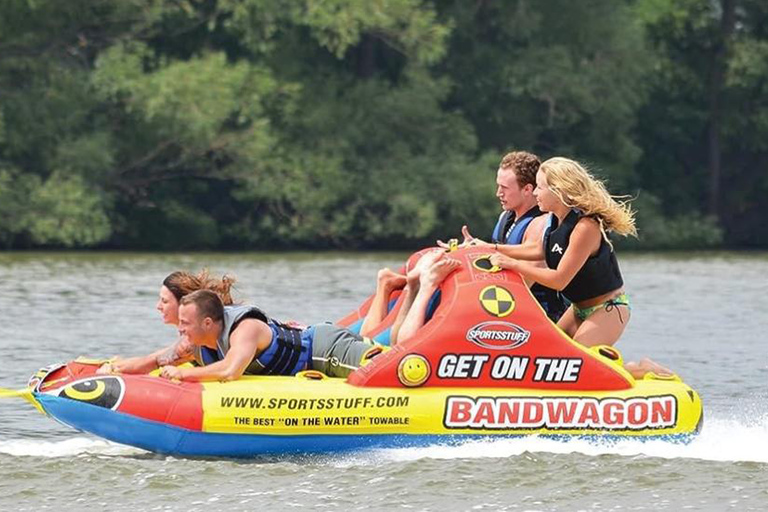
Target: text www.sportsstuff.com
{"points": [[314, 404]]}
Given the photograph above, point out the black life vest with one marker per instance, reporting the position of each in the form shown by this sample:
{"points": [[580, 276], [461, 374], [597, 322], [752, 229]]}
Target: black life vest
{"points": [[599, 275], [288, 354], [510, 231]]}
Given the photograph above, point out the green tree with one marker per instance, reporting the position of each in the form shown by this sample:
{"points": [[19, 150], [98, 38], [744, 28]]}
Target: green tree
{"points": [[705, 119], [64, 211], [555, 77], [55, 141], [186, 124], [367, 154]]}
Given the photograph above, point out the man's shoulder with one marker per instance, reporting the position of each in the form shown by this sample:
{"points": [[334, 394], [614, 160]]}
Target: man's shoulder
{"points": [[536, 228], [505, 216], [250, 324], [540, 220], [242, 312], [252, 321]]}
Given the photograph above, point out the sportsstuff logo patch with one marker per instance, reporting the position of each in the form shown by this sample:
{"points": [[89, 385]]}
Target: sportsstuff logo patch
{"points": [[560, 413], [498, 335]]}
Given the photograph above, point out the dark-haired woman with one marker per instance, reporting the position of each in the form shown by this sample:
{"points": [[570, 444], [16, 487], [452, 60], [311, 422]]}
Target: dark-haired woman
{"points": [[175, 286]]}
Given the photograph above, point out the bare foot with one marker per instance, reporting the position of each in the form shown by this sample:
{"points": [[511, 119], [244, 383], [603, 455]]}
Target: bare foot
{"points": [[639, 369], [389, 280], [438, 271], [421, 266]]}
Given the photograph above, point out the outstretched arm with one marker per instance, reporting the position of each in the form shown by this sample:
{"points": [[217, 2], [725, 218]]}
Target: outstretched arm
{"points": [[469, 241], [249, 338], [532, 250], [178, 353]]}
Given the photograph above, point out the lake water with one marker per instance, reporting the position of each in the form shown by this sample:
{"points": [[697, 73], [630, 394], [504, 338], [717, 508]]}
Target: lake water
{"points": [[704, 315]]}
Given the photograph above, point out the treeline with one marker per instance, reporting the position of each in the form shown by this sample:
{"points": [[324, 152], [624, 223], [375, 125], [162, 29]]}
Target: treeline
{"points": [[260, 124]]}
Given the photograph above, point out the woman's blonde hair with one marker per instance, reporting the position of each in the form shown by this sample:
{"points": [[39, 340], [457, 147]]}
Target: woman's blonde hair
{"points": [[577, 188], [182, 283]]}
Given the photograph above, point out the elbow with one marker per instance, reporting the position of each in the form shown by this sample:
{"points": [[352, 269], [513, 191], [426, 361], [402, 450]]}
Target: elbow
{"points": [[559, 284], [556, 285], [230, 374], [533, 252]]}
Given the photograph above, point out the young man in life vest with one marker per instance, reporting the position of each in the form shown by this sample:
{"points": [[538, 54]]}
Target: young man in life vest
{"points": [[521, 220], [228, 342]]}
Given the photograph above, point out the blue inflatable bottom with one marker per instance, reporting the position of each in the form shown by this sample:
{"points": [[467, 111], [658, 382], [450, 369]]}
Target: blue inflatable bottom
{"points": [[168, 439], [171, 440]]}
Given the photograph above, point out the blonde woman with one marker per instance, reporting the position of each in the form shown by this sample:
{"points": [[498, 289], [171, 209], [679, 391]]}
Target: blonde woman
{"points": [[581, 262]]}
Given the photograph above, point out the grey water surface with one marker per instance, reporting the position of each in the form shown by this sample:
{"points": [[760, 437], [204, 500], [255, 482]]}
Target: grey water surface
{"points": [[704, 315]]}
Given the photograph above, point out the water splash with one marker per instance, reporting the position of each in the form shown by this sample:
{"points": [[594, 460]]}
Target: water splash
{"points": [[67, 448], [720, 440]]}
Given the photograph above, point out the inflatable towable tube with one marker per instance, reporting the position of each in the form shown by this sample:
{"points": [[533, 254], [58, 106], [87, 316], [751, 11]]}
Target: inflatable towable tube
{"points": [[488, 363]]}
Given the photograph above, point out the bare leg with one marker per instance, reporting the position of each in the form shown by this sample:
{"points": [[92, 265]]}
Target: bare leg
{"points": [[603, 327], [568, 322], [387, 282], [411, 290], [409, 294], [429, 282]]}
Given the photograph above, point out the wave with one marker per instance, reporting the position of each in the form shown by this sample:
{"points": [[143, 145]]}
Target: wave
{"points": [[720, 440], [65, 448], [728, 440]]}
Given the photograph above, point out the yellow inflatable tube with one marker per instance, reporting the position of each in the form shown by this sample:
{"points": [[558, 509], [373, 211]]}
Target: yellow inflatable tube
{"points": [[309, 404]]}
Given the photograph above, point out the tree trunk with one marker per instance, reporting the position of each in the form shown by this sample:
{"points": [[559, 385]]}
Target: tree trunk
{"points": [[366, 57]]}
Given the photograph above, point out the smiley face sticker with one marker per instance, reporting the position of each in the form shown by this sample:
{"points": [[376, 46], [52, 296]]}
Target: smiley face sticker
{"points": [[413, 370]]}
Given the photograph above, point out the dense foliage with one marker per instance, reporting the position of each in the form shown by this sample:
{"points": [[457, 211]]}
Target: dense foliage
{"points": [[259, 124]]}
